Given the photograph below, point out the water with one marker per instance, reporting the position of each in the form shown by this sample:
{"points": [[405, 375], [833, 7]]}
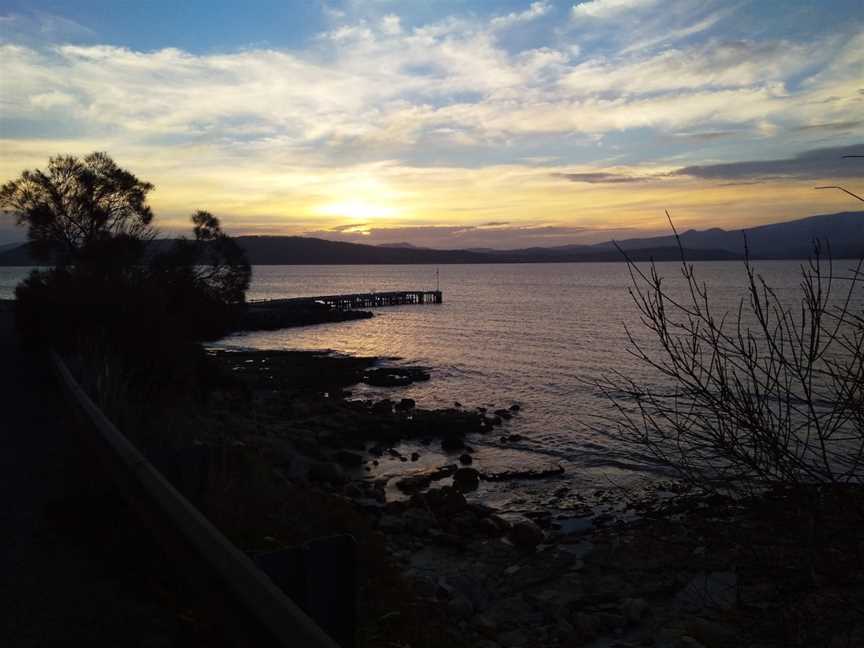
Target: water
{"points": [[533, 334], [537, 335]]}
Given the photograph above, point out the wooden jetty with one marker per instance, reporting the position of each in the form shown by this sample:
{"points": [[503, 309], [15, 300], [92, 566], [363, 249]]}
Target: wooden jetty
{"points": [[360, 300]]}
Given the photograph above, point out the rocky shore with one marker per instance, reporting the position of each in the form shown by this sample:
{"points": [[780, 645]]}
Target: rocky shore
{"points": [[663, 567]]}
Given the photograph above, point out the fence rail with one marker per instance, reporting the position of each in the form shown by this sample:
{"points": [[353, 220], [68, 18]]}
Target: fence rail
{"points": [[259, 612]]}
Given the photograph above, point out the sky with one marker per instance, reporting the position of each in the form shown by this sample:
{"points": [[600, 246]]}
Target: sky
{"points": [[446, 123]]}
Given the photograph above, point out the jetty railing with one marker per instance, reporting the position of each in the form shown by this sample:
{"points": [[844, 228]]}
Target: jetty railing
{"points": [[245, 598], [360, 300]]}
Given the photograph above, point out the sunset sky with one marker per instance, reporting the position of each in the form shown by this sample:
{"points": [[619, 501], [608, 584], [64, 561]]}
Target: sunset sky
{"points": [[446, 123]]}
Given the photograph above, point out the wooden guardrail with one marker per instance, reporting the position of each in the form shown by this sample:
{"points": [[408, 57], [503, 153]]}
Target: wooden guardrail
{"points": [[260, 613]]}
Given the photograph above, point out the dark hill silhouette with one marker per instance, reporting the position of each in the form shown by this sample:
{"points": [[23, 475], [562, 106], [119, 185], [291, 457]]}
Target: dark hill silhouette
{"points": [[790, 240], [794, 239]]}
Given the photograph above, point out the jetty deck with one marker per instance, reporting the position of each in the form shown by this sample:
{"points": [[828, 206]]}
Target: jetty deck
{"points": [[360, 300]]}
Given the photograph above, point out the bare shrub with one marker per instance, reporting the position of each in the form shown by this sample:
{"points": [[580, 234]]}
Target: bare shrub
{"points": [[771, 393]]}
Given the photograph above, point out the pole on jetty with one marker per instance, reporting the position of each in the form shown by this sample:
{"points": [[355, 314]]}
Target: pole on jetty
{"points": [[437, 279]]}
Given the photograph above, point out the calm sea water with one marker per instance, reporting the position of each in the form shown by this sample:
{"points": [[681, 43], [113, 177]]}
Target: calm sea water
{"points": [[533, 334]]}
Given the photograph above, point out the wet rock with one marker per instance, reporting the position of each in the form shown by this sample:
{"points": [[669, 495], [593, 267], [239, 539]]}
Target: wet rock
{"points": [[524, 474], [443, 501], [515, 407], [394, 376], [515, 639], [465, 459], [415, 456], [452, 442], [466, 479], [712, 634], [383, 407], [419, 521], [391, 523], [633, 609], [415, 483], [485, 626], [460, 607], [512, 438], [353, 490], [325, 471], [405, 404], [715, 590], [526, 535]]}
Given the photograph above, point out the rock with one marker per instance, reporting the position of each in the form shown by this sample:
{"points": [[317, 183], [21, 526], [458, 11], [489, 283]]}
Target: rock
{"points": [[419, 521], [489, 528], [348, 459], [504, 414], [717, 590], [460, 607], [326, 471], [713, 634], [394, 376], [515, 639], [406, 404], [515, 407], [457, 404], [443, 501], [524, 474], [353, 490], [465, 459], [526, 535], [686, 641], [452, 442], [383, 407], [415, 456], [416, 483], [391, 524], [633, 609], [607, 621], [512, 438], [486, 643], [376, 451], [485, 626], [466, 479], [502, 524]]}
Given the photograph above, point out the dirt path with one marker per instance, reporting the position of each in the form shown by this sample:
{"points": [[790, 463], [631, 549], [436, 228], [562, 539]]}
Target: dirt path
{"points": [[61, 582]]}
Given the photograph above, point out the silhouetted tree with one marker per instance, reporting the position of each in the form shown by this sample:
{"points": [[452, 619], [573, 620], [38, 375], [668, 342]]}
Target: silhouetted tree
{"points": [[77, 205]]}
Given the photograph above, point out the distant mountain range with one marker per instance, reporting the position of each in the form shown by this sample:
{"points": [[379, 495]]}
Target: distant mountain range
{"points": [[790, 240]]}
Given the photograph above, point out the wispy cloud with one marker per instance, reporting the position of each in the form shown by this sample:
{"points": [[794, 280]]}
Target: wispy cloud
{"points": [[599, 177], [608, 8]]}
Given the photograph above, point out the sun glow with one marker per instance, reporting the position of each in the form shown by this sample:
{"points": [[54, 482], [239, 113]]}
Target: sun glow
{"points": [[357, 210]]}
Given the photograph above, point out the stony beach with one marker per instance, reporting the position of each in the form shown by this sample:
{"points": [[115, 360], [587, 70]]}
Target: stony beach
{"points": [[656, 567]]}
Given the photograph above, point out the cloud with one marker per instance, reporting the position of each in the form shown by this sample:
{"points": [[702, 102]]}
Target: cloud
{"points": [[599, 178], [536, 10], [810, 165], [383, 90], [607, 8], [40, 27]]}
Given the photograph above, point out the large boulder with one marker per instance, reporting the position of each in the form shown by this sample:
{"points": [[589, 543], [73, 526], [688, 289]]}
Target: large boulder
{"points": [[452, 442], [526, 535], [466, 479]]}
